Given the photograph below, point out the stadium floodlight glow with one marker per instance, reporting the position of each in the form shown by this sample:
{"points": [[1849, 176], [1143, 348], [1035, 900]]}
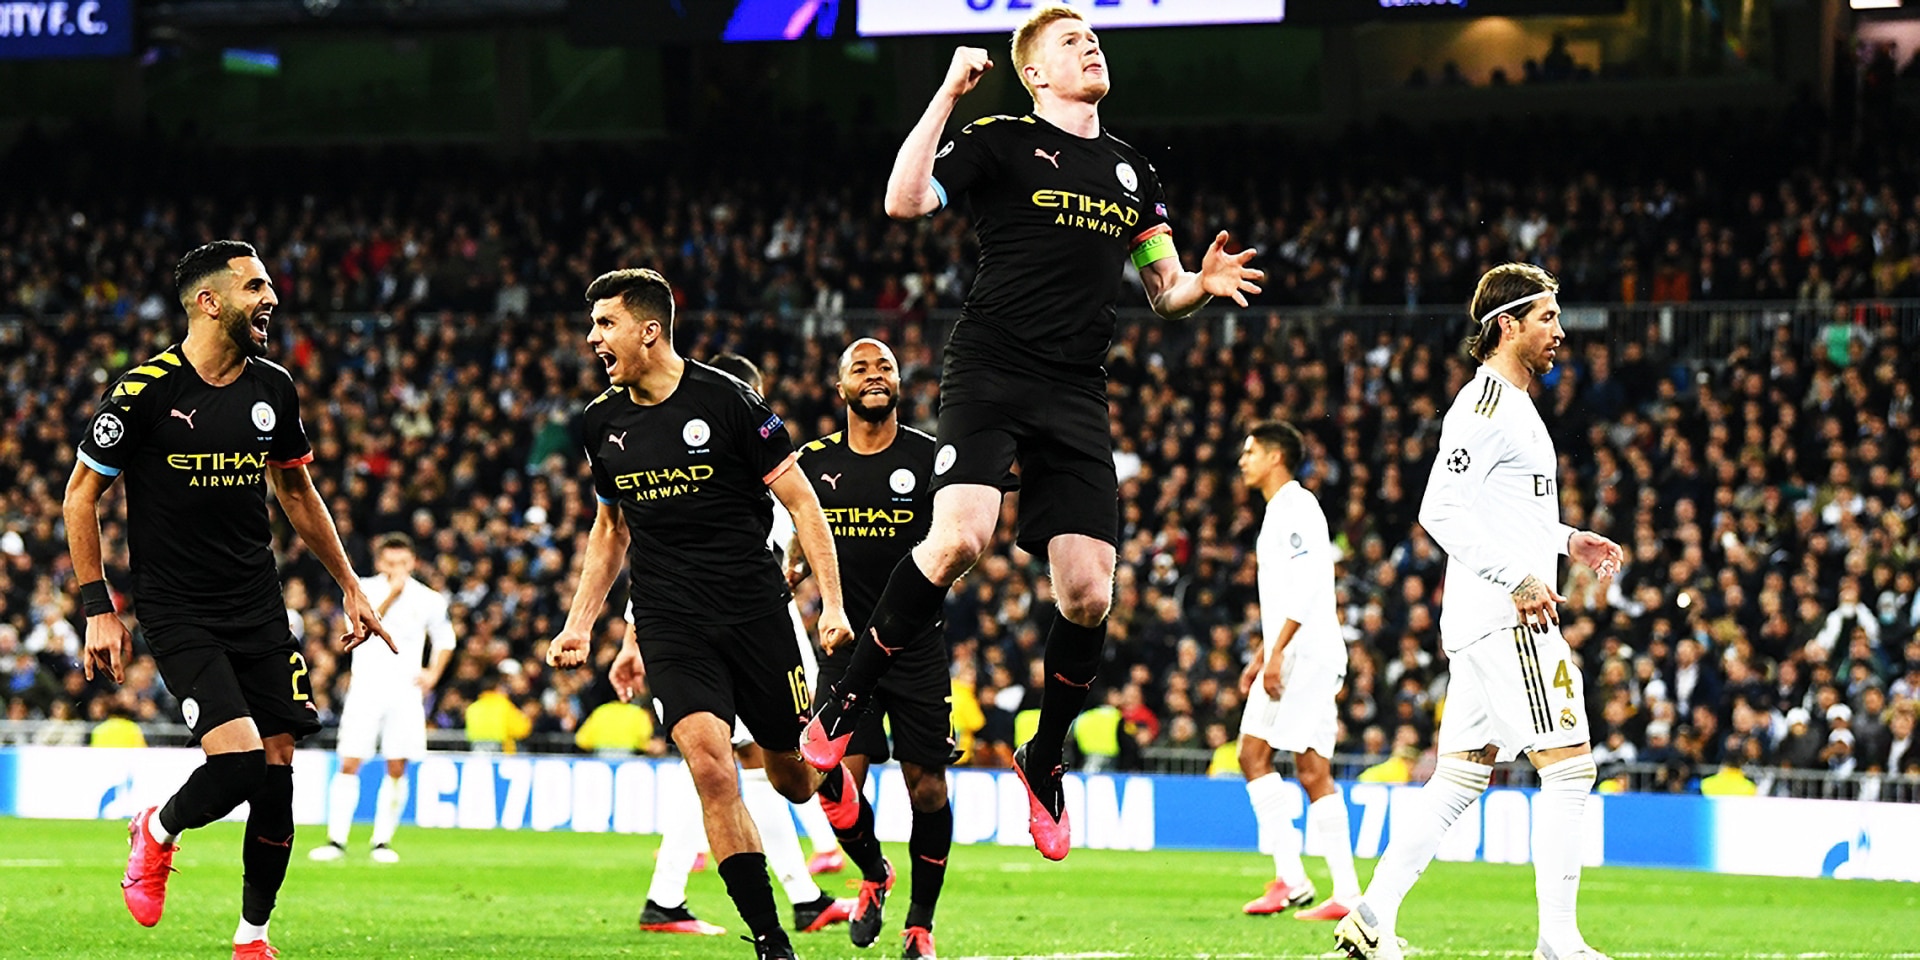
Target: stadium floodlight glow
{"points": [[1874, 4], [320, 8], [879, 18]]}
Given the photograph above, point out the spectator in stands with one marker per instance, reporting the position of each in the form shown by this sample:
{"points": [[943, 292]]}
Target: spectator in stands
{"points": [[494, 721], [617, 728], [1903, 753], [1729, 780]]}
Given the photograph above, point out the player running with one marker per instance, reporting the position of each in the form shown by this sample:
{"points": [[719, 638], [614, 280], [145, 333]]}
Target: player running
{"points": [[682, 843], [201, 431], [1491, 503], [386, 711], [683, 457], [872, 482], [1293, 681], [1060, 205]]}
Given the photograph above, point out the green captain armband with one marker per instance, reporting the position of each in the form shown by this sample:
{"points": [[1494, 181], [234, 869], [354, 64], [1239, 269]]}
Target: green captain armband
{"points": [[1153, 249]]}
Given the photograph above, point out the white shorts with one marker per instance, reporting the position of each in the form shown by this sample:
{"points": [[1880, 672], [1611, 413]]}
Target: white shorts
{"points": [[1517, 690], [396, 722], [1307, 715]]}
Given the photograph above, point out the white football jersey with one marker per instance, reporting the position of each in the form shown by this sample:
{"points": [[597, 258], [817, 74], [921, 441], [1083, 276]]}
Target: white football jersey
{"points": [[416, 619], [1296, 579], [1493, 505]]}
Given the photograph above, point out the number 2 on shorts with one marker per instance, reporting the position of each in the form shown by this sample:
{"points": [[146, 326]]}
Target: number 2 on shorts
{"points": [[797, 685], [299, 664]]}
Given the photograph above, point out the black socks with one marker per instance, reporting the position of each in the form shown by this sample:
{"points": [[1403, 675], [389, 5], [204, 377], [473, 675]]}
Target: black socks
{"points": [[224, 782], [746, 878], [909, 603], [268, 846], [1073, 661], [931, 841]]}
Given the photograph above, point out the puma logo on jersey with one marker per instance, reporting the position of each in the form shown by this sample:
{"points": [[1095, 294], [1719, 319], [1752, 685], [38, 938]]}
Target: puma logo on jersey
{"points": [[833, 481], [1053, 158], [619, 439], [188, 416]]}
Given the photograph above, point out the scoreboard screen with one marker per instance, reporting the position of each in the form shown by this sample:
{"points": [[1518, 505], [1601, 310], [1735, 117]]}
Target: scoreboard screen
{"points": [[880, 18], [58, 29]]}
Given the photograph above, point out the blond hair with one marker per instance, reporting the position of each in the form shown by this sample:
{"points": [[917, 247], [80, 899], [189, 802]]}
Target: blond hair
{"points": [[1500, 286], [1028, 32]]}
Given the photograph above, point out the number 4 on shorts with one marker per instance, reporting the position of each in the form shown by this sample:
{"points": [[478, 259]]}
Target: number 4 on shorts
{"points": [[1563, 679]]}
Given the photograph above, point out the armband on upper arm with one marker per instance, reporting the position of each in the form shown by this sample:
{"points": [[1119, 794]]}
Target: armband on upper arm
{"points": [[1153, 246]]}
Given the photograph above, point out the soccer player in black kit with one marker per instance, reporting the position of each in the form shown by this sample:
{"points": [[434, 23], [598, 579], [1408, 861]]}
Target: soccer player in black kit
{"points": [[1059, 205], [684, 458], [872, 482], [201, 431]]}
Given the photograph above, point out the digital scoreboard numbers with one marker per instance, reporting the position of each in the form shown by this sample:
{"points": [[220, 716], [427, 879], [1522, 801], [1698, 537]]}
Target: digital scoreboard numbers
{"points": [[59, 29], [882, 18]]}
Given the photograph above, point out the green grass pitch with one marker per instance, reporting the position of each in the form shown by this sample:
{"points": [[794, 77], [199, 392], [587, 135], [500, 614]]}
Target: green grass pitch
{"points": [[464, 894]]}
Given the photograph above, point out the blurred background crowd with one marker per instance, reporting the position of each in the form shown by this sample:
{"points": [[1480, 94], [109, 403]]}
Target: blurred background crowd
{"points": [[1736, 409]]}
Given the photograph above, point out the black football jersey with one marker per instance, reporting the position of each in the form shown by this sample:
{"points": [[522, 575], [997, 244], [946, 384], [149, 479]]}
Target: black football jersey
{"points": [[690, 476], [1057, 216], [194, 458], [877, 505]]}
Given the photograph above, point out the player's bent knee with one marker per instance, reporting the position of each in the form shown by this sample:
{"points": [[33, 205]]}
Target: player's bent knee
{"points": [[791, 778], [1087, 607], [713, 779], [927, 788], [951, 555]]}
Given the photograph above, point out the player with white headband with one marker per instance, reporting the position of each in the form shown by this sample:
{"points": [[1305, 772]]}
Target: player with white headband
{"points": [[1516, 686]]}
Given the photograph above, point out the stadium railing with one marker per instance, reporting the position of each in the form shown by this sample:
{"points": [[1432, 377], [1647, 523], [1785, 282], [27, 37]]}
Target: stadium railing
{"points": [[1626, 777], [1682, 331]]}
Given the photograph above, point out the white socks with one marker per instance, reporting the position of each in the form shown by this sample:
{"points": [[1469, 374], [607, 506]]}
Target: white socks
{"points": [[683, 835], [1455, 785], [1269, 810], [813, 820], [772, 814], [248, 933], [343, 795], [1558, 828], [387, 807], [159, 831], [1327, 824]]}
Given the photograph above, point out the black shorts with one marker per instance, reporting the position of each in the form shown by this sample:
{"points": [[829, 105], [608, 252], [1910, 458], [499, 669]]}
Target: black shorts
{"points": [[915, 699], [748, 670], [222, 674], [1056, 430]]}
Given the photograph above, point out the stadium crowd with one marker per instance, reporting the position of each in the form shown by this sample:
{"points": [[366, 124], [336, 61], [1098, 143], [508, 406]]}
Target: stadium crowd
{"points": [[1767, 498]]}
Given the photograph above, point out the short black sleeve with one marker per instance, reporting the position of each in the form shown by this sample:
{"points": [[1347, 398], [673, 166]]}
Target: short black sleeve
{"points": [[963, 161], [290, 447], [762, 436], [116, 430]]}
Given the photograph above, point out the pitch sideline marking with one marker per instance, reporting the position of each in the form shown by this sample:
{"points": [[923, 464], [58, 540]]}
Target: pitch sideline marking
{"points": [[1457, 953]]}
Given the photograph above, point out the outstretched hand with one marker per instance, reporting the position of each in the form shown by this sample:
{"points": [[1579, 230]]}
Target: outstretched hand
{"points": [[1224, 274], [1597, 552]]}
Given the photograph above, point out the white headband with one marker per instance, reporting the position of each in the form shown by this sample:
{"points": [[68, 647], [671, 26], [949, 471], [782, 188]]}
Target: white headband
{"points": [[1503, 308]]}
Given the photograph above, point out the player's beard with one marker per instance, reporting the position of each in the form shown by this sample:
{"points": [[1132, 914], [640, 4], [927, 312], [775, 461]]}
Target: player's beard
{"points": [[239, 327], [1543, 361], [877, 414]]}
